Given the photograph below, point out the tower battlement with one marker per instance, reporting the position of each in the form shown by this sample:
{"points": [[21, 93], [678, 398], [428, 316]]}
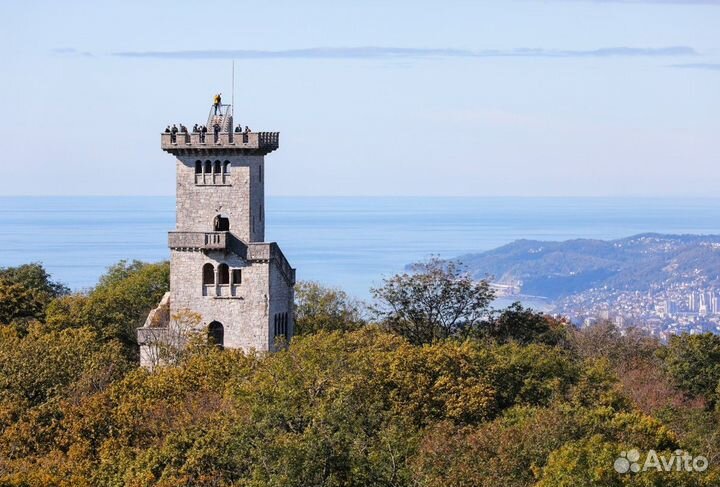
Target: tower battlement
{"points": [[188, 143]]}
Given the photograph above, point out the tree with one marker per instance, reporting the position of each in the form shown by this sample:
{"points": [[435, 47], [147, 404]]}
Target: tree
{"points": [[25, 293], [118, 305], [623, 348], [19, 304], [333, 408], [33, 276], [43, 366], [435, 300], [504, 452], [693, 362], [523, 325], [118, 272], [322, 308]]}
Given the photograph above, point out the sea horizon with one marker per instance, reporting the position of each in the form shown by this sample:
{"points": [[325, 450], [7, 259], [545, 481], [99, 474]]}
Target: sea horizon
{"points": [[349, 242]]}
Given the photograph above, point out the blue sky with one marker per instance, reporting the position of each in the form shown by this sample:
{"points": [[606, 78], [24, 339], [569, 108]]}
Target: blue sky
{"points": [[468, 98]]}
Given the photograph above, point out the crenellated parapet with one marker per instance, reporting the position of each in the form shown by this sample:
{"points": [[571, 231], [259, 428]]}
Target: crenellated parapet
{"points": [[187, 143]]}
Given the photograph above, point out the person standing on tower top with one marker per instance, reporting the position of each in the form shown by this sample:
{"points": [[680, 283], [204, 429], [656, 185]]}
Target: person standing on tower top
{"points": [[217, 101]]}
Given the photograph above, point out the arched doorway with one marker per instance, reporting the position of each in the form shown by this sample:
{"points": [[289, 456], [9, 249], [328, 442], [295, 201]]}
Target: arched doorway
{"points": [[216, 334]]}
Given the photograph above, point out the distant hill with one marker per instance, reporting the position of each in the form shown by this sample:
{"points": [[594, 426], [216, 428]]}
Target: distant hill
{"points": [[558, 269]]}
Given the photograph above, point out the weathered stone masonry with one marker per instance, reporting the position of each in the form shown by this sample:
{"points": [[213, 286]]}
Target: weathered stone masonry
{"points": [[220, 268]]}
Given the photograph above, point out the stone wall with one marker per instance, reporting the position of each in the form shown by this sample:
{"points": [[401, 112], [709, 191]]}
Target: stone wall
{"points": [[244, 316], [282, 300], [240, 198]]}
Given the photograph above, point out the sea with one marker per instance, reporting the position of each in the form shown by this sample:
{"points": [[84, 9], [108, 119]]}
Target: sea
{"points": [[348, 242]]}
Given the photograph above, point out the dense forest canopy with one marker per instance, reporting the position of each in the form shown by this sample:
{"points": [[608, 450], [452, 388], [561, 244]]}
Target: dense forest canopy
{"points": [[428, 386]]}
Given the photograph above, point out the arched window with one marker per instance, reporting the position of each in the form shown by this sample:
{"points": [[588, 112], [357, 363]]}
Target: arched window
{"points": [[221, 224], [208, 166], [216, 167], [216, 334], [223, 274], [208, 273], [226, 168], [198, 167]]}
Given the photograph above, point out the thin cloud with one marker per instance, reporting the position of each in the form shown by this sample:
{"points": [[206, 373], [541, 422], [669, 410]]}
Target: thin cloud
{"points": [[407, 53], [708, 66], [70, 51]]}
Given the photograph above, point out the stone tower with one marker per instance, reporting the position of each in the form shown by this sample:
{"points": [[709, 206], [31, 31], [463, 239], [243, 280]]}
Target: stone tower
{"points": [[222, 272]]}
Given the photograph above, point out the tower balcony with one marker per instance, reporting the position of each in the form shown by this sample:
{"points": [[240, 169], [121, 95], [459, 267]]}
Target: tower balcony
{"points": [[204, 241], [187, 143], [227, 242]]}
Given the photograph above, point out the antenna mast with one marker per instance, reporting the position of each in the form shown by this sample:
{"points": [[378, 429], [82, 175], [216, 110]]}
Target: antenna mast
{"points": [[233, 87]]}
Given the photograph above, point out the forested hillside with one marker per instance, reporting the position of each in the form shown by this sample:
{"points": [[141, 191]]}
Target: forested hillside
{"points": [[426, 387]]}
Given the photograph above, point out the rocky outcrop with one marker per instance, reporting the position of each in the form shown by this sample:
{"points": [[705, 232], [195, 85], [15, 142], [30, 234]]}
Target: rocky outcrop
{"points": [[160, 316]]}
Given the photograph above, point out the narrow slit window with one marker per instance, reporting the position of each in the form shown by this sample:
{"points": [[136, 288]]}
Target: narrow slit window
{"points": [[237, 276]]}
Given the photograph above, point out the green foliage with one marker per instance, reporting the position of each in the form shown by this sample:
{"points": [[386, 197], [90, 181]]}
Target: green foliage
{"points": [[118, 305], [434, 301], [693, 362], [19, 304], [43, 368], [358, 408], [119, 272], [514, 399], [33, 276], [25, 292], [589, 462], [524, 325], [321, 308]]}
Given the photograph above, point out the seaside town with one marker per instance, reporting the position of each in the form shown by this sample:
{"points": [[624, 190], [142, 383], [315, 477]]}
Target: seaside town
{"points": [[690, 306]]}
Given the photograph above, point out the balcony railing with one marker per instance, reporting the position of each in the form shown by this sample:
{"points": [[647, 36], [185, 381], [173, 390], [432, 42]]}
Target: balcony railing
{"points": [[207, 241], [212, 179]]}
